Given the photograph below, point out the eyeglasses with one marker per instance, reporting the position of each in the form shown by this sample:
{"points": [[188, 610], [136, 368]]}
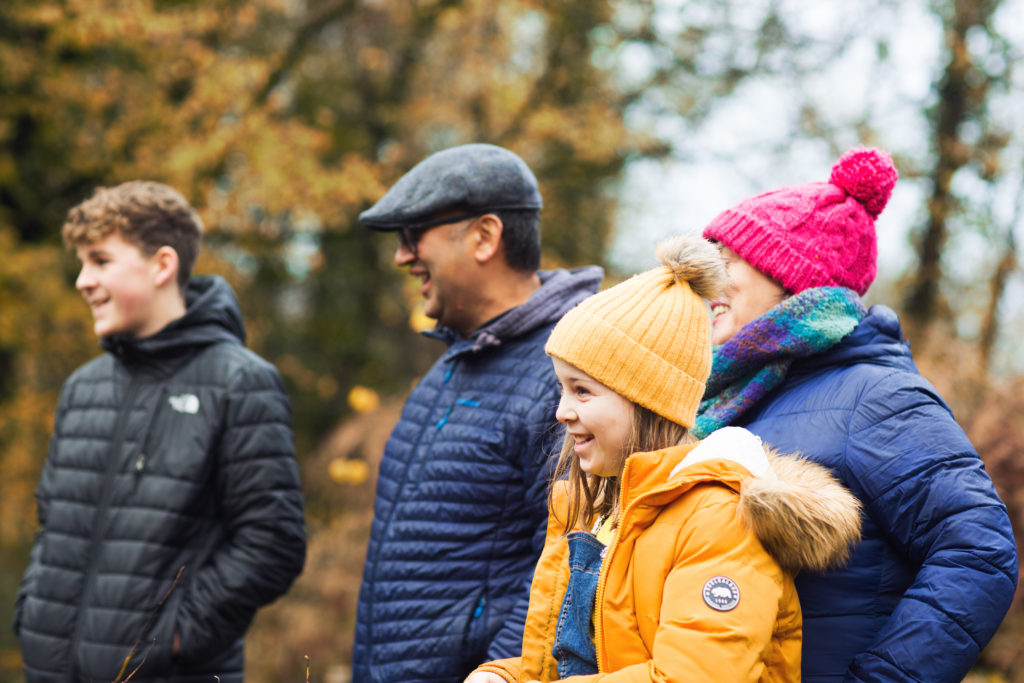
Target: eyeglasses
{"points": [[409, 235]]}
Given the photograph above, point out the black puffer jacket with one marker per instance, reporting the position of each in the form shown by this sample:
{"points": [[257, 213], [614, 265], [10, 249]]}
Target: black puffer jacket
{"points": [[169, 453]]}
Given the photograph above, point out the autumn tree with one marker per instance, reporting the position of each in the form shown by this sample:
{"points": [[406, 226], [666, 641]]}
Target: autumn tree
{"points": [[280, 121]]}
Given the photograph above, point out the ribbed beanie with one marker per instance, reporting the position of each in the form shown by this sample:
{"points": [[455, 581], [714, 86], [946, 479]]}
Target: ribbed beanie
{"points": [[816, 234], [649, 338]]}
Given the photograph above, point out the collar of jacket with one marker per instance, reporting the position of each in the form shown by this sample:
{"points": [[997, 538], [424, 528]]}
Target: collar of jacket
{"points": [[646, 485], [212, 315], [559, 291], [877, 339]]}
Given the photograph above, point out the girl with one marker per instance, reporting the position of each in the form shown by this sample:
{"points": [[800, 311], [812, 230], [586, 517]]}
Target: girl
{"points": [[665, 559]]}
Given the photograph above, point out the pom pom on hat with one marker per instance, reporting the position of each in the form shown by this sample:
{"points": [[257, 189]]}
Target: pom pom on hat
{"points": [[649, 338], [867, 175], [816, 234], [694, 261]]}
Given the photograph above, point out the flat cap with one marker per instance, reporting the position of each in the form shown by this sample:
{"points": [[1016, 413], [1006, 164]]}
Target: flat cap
{"points": [[466, 178]]}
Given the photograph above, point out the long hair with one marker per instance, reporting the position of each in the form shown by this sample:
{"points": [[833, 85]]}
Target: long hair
{"points": [[592, 497]]}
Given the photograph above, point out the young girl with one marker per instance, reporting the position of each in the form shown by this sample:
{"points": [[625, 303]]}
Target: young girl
{"points": [[667, 560]]}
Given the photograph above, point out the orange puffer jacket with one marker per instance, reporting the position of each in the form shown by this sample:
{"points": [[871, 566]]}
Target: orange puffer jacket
{"points": [[688, 590]]}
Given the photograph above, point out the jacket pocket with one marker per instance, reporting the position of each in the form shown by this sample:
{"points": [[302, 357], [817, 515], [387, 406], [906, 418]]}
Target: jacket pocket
{"points": [[158, 645], [475, 640]]}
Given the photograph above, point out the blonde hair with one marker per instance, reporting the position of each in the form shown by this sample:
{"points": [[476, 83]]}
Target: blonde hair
{"points": [[592, 497]]}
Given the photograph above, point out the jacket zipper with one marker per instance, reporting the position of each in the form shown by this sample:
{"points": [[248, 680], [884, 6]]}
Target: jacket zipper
{"points": [[100, 517], [140, 461], [602, 578], [599, 599]]}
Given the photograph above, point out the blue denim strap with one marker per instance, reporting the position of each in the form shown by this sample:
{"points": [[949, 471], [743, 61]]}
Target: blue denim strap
{"points": [[574, 637]]}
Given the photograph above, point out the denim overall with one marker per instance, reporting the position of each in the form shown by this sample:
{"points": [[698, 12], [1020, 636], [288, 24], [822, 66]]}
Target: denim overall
{"points": [[574, 636]]}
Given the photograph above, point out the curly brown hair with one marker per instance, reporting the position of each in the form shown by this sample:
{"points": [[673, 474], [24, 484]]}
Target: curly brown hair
{"points": [[148, 215]]}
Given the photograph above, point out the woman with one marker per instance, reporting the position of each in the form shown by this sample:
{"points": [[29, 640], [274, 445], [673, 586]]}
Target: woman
{"points": [[800, 362]]}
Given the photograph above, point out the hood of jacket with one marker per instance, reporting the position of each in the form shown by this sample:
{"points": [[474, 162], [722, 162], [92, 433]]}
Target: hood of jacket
{"points": [[212, 315], [798, 510], [559, 291]]}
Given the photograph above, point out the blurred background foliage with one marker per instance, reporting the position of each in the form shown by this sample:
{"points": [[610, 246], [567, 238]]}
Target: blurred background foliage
{"points": [[281, 119]]}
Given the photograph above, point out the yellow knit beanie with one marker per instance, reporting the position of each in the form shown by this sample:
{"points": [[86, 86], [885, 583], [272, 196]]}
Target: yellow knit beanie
{"points": [[649, 338]]}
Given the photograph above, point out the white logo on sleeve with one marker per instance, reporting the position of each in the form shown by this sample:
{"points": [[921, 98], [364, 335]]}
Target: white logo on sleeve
{"points": [[721, 593], [185, 403]]}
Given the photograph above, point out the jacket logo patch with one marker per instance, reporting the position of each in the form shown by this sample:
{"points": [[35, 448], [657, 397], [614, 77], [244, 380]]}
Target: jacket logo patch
{"points": [[721, 593], [185, 403]]}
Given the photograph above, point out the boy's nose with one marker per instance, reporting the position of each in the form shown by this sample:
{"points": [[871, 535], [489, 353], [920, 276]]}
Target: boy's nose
{"points": [[85, 280]]}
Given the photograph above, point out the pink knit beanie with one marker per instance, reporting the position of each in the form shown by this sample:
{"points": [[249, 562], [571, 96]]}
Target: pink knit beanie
{"points": [[816, 234]]}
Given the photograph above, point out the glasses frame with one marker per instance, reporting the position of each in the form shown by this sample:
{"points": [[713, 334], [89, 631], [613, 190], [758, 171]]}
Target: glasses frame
{"points": [[409, 235]]}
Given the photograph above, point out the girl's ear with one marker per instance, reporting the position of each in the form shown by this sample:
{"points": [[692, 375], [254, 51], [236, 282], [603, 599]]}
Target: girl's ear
{"points": [[166, 262]]}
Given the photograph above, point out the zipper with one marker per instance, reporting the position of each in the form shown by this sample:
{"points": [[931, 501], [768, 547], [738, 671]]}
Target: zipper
{"points": [[479, 607], [100, 518], [140, 461], [602, 578]]}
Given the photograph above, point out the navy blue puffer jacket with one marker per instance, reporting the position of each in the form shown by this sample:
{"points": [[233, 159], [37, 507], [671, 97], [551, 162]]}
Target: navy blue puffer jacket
{"points": [[461, 505], [935, 572]]}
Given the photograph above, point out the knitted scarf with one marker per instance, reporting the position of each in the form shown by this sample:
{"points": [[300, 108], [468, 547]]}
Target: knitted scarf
{"points": [[756, 359]]}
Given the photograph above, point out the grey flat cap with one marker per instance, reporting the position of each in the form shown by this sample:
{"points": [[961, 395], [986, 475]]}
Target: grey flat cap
{"points": [[466, 178]]}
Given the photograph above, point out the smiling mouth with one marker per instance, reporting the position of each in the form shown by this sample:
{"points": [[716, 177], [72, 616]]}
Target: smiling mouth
{"points": [[424, 278], [718, 309]]}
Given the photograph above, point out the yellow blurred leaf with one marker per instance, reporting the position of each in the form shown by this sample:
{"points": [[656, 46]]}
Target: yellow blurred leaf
{"points": [[419, 321], [363, 399], [346, 471]]}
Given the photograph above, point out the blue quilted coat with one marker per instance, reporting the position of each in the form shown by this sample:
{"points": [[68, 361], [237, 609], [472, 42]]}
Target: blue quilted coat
{"points": [[461, 505], [935, 572]]}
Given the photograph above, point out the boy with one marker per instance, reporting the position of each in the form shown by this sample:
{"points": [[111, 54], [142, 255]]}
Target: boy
{"points": [[169, 503]]}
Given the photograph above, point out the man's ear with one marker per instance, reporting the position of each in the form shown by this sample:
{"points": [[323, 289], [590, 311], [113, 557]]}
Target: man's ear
{"points": [[486, 235], [166, 261]]}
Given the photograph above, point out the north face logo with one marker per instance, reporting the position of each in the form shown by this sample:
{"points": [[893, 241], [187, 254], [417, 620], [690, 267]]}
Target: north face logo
{"points": [[185, 403]]}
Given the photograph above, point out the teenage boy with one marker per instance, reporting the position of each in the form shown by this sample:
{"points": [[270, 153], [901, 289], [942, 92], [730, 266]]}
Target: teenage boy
{"points": [[461, 507], [169, 503]]}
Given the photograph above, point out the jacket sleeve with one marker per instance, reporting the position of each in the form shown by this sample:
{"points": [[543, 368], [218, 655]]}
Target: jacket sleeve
{"points": [[693, 641], [506, 668], [925, 487], [264, 543], [28, 580], [544, 436]]}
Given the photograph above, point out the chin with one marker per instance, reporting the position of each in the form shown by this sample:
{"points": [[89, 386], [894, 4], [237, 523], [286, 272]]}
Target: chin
{"points": [[719, 339]]}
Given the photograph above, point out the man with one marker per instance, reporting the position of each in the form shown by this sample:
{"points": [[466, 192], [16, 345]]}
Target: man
{"points": [[461, 499]]}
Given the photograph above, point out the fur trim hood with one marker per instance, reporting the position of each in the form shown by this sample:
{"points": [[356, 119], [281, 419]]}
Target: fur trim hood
{"points": [[798, 510]]}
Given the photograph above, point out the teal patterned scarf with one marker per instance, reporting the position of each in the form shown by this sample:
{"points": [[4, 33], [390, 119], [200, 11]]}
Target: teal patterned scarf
{"points": [[755, 360]]}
